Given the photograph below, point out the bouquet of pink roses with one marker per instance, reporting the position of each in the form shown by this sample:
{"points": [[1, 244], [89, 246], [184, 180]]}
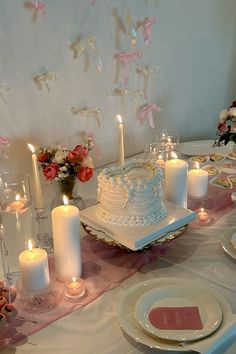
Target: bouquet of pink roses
{"points": [[226, 128], [60, 163]]}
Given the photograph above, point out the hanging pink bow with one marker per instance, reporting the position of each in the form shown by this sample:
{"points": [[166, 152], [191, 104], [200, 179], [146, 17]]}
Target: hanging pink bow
{"points": [[126, 57], [97, 150], [40, 6], [147, 29], [146, 113]]}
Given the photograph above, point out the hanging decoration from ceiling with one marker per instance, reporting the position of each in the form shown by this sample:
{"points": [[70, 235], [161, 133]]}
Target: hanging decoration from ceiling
{"points": [[80, 46], [42, 80], [36, 8], [126, 58], [88, 112], [3, 89], [146, 24], [146, 113]]}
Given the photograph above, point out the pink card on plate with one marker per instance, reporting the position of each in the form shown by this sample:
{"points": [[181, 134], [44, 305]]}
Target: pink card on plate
{"points": [[176, 318]]}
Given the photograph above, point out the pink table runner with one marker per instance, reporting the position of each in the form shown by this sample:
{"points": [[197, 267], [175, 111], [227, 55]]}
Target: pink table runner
{"points": [[104, 267]]}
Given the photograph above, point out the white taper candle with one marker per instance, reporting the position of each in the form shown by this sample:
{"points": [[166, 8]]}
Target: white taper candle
{"points": [[37, 184]]}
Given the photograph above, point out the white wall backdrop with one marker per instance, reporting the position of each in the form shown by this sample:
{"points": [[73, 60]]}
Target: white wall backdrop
{"points": [[193, 46]]}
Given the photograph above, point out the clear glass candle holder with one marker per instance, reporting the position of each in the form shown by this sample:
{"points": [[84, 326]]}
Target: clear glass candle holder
{"points": [[75, 289], [16, 225]]}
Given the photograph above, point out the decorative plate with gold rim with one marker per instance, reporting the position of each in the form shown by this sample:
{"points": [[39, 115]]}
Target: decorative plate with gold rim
{"points": [[138, 237], [101, 236]]}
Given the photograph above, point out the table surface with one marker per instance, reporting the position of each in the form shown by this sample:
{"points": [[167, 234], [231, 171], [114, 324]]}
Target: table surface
{"points": [[197, 254]]}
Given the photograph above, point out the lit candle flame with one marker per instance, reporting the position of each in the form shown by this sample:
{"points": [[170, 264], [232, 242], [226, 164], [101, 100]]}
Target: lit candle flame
{"points": [[119, 118], [202, 210], [17, 198], [65, 200], [30, 246], [197, 165], [74, 279], [31, 147]]}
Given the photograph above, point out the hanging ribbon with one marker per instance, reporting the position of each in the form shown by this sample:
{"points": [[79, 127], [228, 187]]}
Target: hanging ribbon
{"points": [[36, 7], [146, 73], [3, 88], [96, 149], [126, 58], [118, 92], [93, 2], [96, 112], [146, 113], [147, 28], [42, 79], [131, 32], [79, 47], [4, 142], [120, 28]]}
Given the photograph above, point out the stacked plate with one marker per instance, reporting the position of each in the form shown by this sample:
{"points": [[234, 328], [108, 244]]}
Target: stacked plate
{"points": [[139, 313], [228, 241]]}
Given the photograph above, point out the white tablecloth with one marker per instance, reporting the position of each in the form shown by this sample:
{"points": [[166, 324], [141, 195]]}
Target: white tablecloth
{"points": [[94, 329]]}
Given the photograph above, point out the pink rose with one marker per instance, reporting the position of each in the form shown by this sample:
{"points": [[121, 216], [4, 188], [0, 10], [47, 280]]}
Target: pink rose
{"points": [[74, 157], [43, 157], [222, 128], [84, 174], [83, 152], [50, 172]]}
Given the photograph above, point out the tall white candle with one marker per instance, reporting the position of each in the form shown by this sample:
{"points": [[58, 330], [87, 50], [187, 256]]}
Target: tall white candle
{"points": [[197, 183], [176, 182], [66, 240], [121, 140], [34, 269], [37, 185]]}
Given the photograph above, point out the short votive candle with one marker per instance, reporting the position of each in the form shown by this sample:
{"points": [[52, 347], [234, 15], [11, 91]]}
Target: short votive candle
{"points": [[203, 215], [75, 288]]}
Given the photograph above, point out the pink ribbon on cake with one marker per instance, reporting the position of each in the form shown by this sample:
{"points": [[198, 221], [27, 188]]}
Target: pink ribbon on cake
{"points": [[147, 29], [127, 57], [146, 113]]}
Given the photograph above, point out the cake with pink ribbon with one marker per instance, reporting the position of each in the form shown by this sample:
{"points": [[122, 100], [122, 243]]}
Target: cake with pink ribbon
{"points": [[131, 194]]}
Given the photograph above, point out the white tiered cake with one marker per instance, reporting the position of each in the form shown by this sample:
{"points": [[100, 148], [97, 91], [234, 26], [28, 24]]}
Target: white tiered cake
{"points": [[131, 194]]}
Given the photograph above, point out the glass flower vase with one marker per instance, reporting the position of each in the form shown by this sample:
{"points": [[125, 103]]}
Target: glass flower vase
{"points": [[67, 187]]}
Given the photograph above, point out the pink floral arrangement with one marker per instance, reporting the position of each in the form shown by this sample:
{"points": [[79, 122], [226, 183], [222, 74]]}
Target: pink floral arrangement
{"points": [[226, 128], [60, 163]]}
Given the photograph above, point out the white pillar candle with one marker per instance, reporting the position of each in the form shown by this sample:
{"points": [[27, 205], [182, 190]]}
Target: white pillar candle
{"points": [[197, 183], [176, 182], [121, 140], [66, 240], [34, 269], [37, 185]]}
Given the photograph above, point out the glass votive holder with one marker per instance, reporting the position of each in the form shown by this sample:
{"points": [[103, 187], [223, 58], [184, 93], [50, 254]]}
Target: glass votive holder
{"points": [[203, 216], [151, 151], [75, 289], [170, 142]]}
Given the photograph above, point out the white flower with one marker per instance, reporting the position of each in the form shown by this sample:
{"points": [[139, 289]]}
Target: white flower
{"points": [[60, 157], [87, 162], [232, 111], [63, 175], [223, 116]]}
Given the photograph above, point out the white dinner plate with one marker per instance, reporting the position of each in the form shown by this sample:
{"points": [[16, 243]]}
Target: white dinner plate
{"points": [[204, 147], [126, 306], [179, 296], [226, 244]]}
